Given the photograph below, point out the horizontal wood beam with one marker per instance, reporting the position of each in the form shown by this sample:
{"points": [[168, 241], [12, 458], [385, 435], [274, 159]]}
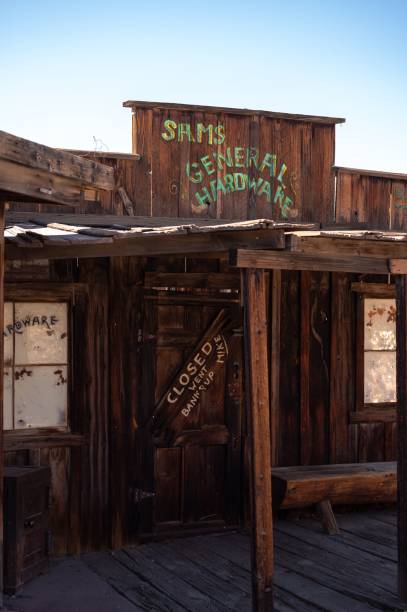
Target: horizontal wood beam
{"points": [[102, 155], [394, 176], [153, 246], [136, 105], [21, 183], [285, 260], [357, 247], [55, 162], [14, 440], [193, 280], [378, 289], [401, 375], [373, 416]]}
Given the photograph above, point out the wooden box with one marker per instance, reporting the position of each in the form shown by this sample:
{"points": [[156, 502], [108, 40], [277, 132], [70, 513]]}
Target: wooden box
{"points": [[26, 535]]}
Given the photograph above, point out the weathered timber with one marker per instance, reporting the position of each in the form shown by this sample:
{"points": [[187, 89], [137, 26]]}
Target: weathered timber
{"points": [[375, 173], [376, 198], [322, 245], [209, 434], [256, 362], [143, 221], [15, 440], [135, 104], [297, 487], [305, 408], [55, 162], [275, 319], [371, 415], [401, 293], [21, 182], [172, 403], [169, 137], [376, 289], [95, 155], [285, 260], [348, 571], [325, 511], [342, 375], [192, 280], [139, 244], [2, 205]]}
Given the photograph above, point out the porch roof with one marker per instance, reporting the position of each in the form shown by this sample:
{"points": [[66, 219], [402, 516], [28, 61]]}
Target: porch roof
{"points": [[48, 235], [258, 243]]}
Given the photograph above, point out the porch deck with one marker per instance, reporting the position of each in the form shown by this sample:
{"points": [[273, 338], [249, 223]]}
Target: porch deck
{"points": [[354, 571]]}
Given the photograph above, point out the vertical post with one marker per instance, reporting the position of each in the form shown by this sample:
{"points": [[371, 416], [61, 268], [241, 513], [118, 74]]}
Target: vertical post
{"points": [[2, 207], [275, 326], [258, 409], [401, 294]]}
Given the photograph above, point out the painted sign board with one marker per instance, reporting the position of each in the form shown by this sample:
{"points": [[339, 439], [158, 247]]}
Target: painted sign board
{"points": [[210, 162], [193, 379]]}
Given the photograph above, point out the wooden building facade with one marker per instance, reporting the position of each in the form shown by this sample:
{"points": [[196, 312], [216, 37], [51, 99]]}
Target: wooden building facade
{"points": [[156, 433], [32, 173]]}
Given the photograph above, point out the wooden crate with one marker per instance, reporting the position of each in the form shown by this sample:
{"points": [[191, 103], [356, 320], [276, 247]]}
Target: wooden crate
{"points": [[26, 535]]}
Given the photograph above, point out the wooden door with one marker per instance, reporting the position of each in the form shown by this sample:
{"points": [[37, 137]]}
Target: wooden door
{"points": [[189, 436]]}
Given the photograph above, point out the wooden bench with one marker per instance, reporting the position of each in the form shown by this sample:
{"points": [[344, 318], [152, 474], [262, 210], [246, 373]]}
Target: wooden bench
{"points": [[324, 485]]}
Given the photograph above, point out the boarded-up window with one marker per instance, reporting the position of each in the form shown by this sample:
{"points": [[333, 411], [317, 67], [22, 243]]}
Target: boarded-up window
{"points": [[379, 350], [35, 365]]}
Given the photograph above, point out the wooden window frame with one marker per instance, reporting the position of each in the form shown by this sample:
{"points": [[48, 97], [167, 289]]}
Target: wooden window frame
{"points": [[369, 413], [19, 439]]}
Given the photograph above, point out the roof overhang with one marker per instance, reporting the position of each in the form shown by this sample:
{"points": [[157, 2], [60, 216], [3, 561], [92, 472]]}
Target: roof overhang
{"points": [[259, 243], [33, 172], [53, 236], [141, 104], [358, 251]]}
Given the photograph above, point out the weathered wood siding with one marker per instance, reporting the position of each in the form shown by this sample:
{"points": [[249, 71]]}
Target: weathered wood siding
{"points": [[317, 375], [80, 512], [221, 165], [120, 339], [119, 201], [373, 198], [127, 346]]}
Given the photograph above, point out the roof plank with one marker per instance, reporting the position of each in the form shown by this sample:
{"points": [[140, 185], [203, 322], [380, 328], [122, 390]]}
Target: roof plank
{"points": [[148, 245], [122, 222], [134, 104], [55, 162]]}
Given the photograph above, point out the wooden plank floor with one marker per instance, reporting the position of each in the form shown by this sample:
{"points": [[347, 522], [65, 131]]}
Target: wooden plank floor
{"points": [[354, 571]]}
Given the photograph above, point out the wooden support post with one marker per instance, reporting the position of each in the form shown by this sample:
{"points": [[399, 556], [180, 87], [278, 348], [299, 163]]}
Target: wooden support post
{"points": [[401, 294], [258, 409], [275, 326], [2, 207], [328, 519]]}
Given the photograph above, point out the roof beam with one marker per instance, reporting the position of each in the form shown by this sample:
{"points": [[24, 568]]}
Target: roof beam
{"points": [[172, 244], [55, 162], [22, 183], [322, 246], [285, 260]]}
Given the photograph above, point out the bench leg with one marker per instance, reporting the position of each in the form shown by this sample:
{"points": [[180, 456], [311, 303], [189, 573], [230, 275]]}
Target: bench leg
{"points": [[328, 519]]}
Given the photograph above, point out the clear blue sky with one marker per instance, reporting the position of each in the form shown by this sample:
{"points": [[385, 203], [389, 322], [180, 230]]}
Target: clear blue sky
{"points": [[67, 66]]}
